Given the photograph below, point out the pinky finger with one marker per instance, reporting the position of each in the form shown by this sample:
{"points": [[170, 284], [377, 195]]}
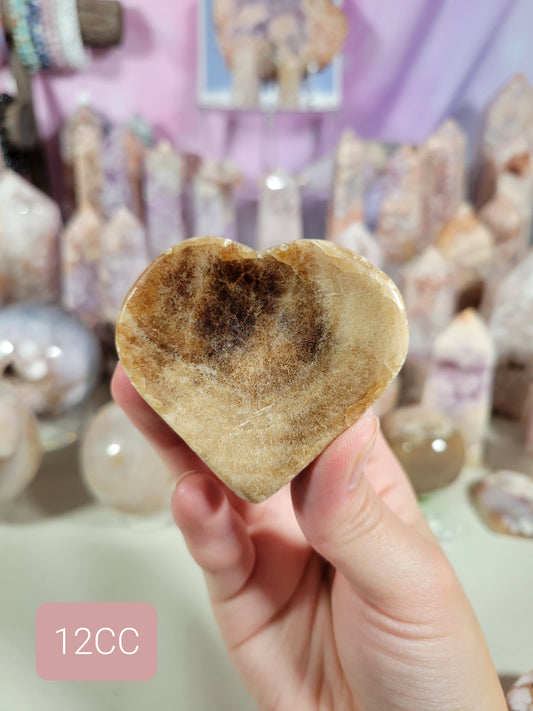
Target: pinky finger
{"points": [[215, 534]]}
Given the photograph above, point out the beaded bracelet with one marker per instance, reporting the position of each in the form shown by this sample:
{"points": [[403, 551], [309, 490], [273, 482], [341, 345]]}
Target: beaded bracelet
{"points": [[51, 34], [20, 31], [33, 16], [68, 24]]}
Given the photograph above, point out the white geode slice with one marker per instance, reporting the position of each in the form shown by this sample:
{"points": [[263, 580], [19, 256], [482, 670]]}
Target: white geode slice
{"points": [[505, 501], [258, 360]]}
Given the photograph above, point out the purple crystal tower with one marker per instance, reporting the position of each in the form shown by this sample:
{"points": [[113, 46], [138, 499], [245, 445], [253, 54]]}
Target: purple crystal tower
{"points": [[163, 188], [460, 377]]}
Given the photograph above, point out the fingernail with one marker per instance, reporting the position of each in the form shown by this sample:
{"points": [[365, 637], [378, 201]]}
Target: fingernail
{"points": [[367, 428], [200, 496]]}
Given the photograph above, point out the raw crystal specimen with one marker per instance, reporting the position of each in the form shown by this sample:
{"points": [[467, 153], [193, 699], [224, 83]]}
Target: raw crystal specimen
{"points": [[213, 203], [442, 158], [427, 284], [163, 190], [505, 501], [280, 210], [507, 135], [428, 445], [360, 240], [520, 695], [81, 248], [259, 359], [469, 244], [460, 376], [20, 448], [282, 40], [511, 325], [399, 226], [124, 256], [29, 242], [50, 358], [122, 163], [120, 468], [346, 205]]}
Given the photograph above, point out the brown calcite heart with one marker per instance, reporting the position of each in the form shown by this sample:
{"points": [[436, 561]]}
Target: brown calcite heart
{"points": [[258, 360]]}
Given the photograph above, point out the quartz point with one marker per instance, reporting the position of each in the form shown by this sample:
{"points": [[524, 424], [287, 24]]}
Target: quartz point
{"points": [[29, 242], [163, 190], [259, 359], [49, 357], [122, 163], [20, 448], [504, 500], [348, 185], [443, 158], [124, 256], [120, 468], [280, 210], [213, 201], [460, 378], [399, 226], [428, 445]]}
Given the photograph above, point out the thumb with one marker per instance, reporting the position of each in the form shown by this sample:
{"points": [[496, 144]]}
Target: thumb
{"points": [[382, 557]]}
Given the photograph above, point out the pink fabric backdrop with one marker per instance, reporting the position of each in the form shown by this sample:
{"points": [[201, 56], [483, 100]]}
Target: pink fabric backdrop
{"points": [[407, 65]]}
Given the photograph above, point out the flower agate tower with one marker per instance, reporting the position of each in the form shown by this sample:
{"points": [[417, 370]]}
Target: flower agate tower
{"points": [[399, 227], [459, 381], [443, 176], [163, 189], [280, 210]]}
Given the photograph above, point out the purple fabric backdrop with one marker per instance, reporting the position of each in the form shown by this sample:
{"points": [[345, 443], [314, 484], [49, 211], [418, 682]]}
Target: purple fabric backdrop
{"points": [[407, 65]]}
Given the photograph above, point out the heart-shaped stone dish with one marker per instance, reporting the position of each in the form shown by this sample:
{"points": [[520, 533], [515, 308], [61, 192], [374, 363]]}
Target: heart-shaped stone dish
{"points": [[258, 360]]}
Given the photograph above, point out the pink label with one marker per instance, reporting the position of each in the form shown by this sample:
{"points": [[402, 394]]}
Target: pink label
{"points": [[77, 641]]}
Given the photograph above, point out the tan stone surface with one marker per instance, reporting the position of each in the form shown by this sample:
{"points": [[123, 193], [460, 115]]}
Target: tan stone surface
{"points": [[259, 359]]}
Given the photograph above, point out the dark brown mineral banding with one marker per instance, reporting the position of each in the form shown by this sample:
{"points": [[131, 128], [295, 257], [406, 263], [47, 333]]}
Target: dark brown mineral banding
{"points": [[259, 359]]}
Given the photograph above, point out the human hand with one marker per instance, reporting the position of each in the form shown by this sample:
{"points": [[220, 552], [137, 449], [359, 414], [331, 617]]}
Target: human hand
{"points": [[333, 593]]}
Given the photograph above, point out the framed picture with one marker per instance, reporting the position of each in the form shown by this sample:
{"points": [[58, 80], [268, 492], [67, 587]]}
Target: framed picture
{"points": [[319, 90]]}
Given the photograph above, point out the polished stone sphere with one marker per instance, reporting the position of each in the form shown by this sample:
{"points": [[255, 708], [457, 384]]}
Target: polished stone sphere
{"points": [[428, 445]]}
